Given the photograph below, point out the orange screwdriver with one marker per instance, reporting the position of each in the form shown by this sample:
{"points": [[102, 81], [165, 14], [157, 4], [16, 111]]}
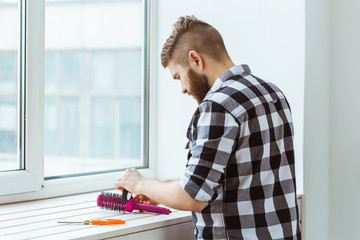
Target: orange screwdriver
{"points": [[98, 222]]}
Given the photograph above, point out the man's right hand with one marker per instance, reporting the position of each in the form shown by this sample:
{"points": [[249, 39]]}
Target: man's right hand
{"points": [[141, 198]]}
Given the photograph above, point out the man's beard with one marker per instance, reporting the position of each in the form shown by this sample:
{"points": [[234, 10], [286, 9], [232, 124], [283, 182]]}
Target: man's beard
{"points": [[199, 85]]}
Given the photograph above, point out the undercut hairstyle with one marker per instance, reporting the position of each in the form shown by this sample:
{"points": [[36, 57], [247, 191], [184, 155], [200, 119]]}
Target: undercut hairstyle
{"points": [[190, 33]]}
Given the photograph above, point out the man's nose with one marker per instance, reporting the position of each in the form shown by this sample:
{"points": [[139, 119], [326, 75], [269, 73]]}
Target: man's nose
{"points": [[183, 90]]}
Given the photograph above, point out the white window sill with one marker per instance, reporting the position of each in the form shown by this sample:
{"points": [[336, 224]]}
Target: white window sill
{"points": [[38, 220]]}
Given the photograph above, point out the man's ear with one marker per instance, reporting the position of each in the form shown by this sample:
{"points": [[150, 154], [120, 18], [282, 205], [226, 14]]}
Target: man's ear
{"points": [[195, 60]]}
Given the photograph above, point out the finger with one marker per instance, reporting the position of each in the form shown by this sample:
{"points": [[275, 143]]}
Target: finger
{"points": [[119, 188], [129, 170], [119, 185], [121, 177]]}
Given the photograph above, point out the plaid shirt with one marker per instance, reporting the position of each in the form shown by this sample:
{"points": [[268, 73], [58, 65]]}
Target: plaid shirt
{"points": [[241, 160]]}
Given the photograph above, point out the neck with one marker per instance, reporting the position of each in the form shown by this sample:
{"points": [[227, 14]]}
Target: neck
{"points": [[217, 68]]}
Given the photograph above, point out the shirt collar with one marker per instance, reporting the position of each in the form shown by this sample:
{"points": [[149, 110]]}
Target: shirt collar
{"points": [[235, 70]]}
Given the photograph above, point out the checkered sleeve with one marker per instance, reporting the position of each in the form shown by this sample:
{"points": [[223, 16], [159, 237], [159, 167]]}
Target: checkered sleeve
{"points": [[212, 134]]}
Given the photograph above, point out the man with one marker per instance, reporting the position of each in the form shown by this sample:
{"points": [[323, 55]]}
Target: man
{"points": [[240, 179]]}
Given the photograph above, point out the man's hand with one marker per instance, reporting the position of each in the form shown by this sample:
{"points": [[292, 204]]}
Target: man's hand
{"points": [[131, 180], [141, 198], [153, 191]]}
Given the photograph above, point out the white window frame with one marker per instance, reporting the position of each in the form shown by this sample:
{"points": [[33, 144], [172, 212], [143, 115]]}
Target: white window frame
{"points": [[29, 184], [30, 65]]}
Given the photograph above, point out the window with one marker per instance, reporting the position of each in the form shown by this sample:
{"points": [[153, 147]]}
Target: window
{"points": [[84, 92], [9, 94], [93, 110]]}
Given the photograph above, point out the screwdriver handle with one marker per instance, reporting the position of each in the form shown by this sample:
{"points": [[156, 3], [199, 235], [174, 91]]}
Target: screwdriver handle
{"points": [[105, 221]]}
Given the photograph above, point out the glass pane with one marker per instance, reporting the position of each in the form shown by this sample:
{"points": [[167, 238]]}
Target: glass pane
{"points": [[130, 128], [69, 125], [102, 128], [93, 86], [69, 70], [128, 65], [9, 111], [103, 69], [51, 127]]}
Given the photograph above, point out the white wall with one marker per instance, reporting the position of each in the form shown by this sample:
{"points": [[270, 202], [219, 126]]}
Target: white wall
{"points": [[267, 35], [344, 120], [316, 120], [331, 135]]}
